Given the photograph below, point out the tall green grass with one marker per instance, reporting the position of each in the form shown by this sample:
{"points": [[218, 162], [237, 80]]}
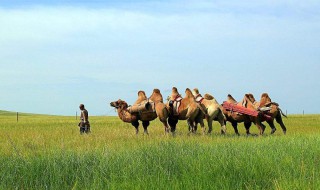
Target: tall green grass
{"points": [[47, 152]]}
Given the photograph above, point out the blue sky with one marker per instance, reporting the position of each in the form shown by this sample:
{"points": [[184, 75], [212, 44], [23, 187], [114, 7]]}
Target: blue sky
{"points": [[54, 56]]}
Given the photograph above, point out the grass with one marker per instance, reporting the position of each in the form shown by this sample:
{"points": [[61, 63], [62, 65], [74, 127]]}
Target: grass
{"points": [[47, 152]]}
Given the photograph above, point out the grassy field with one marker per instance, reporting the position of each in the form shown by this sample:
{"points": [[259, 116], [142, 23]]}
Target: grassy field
{"points": [[47, 152]]}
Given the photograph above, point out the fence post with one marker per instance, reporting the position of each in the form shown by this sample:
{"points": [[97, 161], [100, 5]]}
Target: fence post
{"points": [[76, 115], [286, 112], [17, 116]]}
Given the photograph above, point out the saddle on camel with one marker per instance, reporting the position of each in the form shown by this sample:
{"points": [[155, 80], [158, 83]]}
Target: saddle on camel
{"points": [[142, 104], [144, 109], [210, 109]]}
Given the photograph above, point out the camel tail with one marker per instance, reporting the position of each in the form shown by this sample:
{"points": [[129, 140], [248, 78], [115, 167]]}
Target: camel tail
{"points": [[284, 115]]}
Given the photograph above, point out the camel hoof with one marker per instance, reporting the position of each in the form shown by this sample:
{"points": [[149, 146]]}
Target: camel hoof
{"points": [[284, 132], [273, 130]]}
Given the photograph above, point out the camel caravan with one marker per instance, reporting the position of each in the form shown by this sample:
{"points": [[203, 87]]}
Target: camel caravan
{"points": [[194, 108]]}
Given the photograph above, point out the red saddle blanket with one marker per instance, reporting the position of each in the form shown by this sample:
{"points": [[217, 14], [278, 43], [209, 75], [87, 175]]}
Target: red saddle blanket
{"points": [[243, 110]]}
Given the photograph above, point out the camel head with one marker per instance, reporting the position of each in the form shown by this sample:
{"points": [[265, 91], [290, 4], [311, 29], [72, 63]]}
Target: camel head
{"points": [[156, 96], [119, 104]]}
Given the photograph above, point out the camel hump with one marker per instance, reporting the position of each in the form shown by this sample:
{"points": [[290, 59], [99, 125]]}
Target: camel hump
{"points": [[251, 97], [141, 97], [230, 98], [265, 99], [156, 96], [174, 89], [266, 96], [156, 91], [208, 97], [195, 91], [141, 93], [189, 93]]}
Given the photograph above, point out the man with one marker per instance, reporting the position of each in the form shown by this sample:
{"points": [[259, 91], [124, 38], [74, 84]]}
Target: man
{"points": [[84, 120]]}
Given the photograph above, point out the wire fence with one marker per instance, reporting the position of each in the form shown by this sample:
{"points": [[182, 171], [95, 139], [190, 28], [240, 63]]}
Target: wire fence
{"points": [[20, 115], [17, 115]]}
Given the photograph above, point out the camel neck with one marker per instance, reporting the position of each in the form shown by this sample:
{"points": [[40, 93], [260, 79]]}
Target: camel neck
{"points": [[124, 115]]}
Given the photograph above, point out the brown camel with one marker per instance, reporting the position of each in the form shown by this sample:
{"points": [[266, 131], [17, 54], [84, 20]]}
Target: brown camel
{"points": [[210, 109], [188, 110], [151, 112], [270, 108], [161, 109], [234, 117], [257, 120]]}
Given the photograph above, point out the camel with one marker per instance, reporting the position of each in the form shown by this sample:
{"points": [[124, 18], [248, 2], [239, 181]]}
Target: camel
{"points": [[161, 109], [210, 110], [188, 110], [257, 120], [146, 116], [272, 109], [235, 117]]}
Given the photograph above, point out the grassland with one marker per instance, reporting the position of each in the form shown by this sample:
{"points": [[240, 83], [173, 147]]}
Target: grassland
{"points": [[47, 152]]}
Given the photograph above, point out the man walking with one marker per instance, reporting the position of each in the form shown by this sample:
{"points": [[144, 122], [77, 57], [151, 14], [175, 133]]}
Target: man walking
{"points": [[84, 120]]}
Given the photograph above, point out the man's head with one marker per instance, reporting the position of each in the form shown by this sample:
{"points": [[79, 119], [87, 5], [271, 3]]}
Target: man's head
{"points": [[81, 107]]}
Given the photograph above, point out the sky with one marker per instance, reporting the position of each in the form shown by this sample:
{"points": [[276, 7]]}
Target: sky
{"points": [[56, 55]]}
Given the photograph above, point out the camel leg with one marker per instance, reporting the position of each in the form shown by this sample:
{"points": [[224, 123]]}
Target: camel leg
{"points": [[279, 120], [247, 125], [145, 125], [210, 120], [173, 123], [222, 123], [202, 127], [166, 127], [235, 127], [191, 127], [136, 125], [273, 127], [199, 119], [261, 127], [162, 114]]}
